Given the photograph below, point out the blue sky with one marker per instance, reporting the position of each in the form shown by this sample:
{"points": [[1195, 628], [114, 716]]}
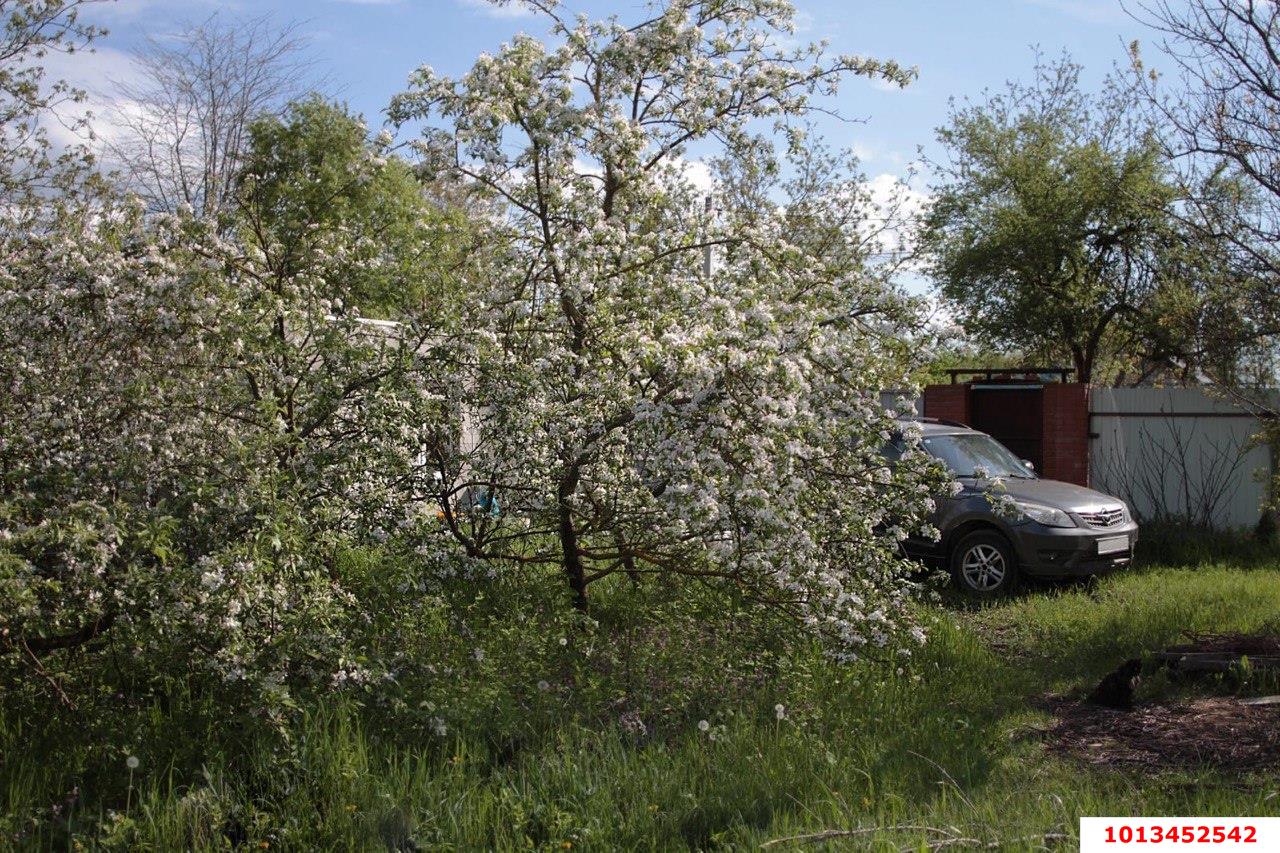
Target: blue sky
{"points": [[368, 47]]}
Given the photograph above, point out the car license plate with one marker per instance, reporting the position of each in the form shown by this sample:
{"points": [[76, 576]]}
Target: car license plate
{"points": [[1111, 546]]}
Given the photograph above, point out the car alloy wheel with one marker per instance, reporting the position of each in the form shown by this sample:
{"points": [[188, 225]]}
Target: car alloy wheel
{"points": [[984, 568]]}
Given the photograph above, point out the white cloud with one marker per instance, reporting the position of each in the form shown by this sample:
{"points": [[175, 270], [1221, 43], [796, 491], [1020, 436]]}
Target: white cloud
{"points": [[698, 173], [887, 187], [884, 85], [897, 205], [940, 316], [91, 69], [96, 72], [868, 152], [514, 9]]}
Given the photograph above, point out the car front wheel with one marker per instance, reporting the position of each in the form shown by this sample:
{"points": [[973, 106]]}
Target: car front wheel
{"points": [[983, 563]]}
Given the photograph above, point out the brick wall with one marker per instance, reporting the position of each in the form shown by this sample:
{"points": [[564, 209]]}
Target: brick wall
{"points": [[947, 402], [1066, 433]]}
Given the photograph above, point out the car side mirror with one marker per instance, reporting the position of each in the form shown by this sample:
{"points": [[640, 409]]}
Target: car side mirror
{"points": [[1029, 465]]}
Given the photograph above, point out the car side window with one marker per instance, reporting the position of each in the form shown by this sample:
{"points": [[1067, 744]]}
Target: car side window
{"points": [[892, 451]]}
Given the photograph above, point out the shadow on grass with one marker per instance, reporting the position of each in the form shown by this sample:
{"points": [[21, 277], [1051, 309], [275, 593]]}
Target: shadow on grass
{"points": [[1179, 545]]}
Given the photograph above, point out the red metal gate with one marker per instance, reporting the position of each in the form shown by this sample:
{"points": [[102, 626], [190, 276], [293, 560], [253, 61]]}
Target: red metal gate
{"points": [[1039, 419]]}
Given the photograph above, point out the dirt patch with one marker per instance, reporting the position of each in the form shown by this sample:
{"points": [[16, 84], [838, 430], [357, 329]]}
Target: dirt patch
{"points": [[1214, 732]]}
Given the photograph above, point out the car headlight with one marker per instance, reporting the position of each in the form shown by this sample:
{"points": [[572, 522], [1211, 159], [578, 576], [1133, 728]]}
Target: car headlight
{"points": [[1046, 515]]}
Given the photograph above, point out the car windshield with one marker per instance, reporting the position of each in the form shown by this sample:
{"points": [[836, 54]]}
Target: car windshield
{"points": [[972, 454]]}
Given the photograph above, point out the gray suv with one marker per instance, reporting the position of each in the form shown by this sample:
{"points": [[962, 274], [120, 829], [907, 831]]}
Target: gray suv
{"points": [[1056, 529]]}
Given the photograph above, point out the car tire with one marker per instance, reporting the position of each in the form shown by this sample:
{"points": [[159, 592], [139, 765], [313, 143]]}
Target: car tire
{"points": [[984, 564]]}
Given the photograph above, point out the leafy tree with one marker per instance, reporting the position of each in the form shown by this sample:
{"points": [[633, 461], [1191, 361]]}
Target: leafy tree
{"points": [[953, 352], [313, 173], [636, 416], [1051, 217]]}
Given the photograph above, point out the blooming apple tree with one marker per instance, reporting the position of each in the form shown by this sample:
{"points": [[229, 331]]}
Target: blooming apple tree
{"points": [[196, 425], [635, 409]]}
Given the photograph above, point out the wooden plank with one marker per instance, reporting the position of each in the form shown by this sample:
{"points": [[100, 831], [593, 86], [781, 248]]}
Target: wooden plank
{"points": [[1214, 661]]}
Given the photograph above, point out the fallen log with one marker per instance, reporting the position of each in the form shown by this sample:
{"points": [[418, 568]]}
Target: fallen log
{"points": [[1214, 661]]}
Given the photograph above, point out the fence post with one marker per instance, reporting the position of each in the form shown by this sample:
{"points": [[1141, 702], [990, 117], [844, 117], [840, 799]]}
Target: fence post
{"points": [[1065, 446]]}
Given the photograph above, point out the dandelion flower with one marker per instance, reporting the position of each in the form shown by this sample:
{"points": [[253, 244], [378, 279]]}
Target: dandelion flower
{"points": [[780, 711], [131, 762], [703, 726]]}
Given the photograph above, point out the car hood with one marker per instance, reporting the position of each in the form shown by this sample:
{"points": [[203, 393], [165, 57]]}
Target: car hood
{"points": [[1054, 493]]}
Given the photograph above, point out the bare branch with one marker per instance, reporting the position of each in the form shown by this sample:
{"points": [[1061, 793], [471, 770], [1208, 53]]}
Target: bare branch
{"points": [[185, 125]]}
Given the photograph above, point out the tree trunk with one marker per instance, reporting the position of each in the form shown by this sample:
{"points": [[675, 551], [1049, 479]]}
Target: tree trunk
{"points": [[573, 568], [1083, 363]]}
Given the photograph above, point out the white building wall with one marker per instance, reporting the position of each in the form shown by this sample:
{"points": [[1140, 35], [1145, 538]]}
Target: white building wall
{"points": [[894, 399]]}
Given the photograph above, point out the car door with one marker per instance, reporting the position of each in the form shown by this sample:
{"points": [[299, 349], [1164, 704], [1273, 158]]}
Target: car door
{"points": [[944, 506]]}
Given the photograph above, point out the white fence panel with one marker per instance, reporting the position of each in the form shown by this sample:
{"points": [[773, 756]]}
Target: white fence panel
{"points": [[1178, 454]]}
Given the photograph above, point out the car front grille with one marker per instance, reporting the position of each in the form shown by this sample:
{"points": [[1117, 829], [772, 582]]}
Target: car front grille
{"points": [[1104, 517]]}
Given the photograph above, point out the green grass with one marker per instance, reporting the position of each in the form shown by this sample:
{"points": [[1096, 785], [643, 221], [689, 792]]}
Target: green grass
{"points": [[950, 744]]}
